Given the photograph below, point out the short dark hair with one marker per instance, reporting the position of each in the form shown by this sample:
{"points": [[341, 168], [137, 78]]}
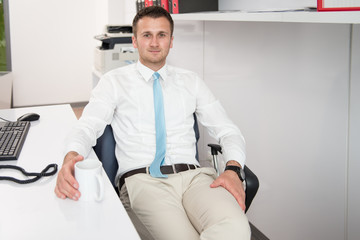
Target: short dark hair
{"points": [[153, 12]]}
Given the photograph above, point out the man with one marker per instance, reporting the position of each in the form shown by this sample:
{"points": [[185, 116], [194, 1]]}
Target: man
{"points": [[178, 200]]}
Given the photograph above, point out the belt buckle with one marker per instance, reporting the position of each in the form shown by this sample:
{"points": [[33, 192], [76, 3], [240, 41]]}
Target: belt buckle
{"points": [[173, 167]]}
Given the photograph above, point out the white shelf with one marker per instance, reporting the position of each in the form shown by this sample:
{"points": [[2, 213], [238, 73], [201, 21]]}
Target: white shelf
{"points": [[347, 17]]}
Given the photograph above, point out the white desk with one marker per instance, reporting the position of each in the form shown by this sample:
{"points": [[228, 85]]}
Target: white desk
{"points": [[33, 211]]}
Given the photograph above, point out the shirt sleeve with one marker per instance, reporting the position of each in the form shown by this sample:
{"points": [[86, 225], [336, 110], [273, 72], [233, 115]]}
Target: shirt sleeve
{"points": [[214, 118], [96, 115]]}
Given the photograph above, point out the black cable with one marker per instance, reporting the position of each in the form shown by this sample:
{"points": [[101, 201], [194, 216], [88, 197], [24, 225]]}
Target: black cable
{"points": [[43, 173]]}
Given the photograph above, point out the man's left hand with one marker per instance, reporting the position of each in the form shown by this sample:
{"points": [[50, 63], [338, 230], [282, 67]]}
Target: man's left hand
{"points": [[231, 182]]}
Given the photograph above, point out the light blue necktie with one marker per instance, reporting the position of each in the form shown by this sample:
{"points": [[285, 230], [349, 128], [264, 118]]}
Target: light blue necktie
{"points": [[159, 128]]}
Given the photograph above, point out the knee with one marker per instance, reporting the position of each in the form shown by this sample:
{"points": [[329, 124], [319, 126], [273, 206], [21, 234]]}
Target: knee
{"points": [[235, 227], [239, 226], [226, 224]]}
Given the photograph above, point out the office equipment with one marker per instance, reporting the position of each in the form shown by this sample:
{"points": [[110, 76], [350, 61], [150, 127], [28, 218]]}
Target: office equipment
{"points": [[174, 6], [149, 3], [165, 4], [140, 4], [12, 138], [337, 5], [35, 176], [29, 117], [116, 49], [157, 3], [20, 203]]}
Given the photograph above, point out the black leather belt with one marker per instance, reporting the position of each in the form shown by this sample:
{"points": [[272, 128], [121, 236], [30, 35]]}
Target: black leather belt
{"points": [[169, 169]]}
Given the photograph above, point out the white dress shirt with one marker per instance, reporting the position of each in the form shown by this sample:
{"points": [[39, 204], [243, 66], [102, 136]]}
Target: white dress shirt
{"points": [[124, 99]]}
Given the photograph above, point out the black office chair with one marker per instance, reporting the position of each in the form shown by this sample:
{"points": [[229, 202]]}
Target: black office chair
{"points": [[105, 150]]}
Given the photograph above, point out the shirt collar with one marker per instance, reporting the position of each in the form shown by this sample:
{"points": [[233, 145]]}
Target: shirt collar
{"points": [[147, 73]]}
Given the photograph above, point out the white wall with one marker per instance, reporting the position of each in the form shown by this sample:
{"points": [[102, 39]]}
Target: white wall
{"points": [[5, 89], [286, 85], [354, 140], [52, 45], [52, 50], [121, 12], [289, 94]]}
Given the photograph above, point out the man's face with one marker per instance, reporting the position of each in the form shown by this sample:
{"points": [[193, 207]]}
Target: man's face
{"points": [[153, 40]]}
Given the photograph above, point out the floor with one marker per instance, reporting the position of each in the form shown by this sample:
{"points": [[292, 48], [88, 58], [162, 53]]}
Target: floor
{"points": [[78, 111], [256, 234]]}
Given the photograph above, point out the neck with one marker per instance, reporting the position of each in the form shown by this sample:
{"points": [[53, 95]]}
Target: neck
{"points": [[153, 66]]}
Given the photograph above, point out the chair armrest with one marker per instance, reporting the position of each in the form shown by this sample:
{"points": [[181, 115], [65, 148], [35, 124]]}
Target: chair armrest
{"points": [[252, 186], [251, 180]]}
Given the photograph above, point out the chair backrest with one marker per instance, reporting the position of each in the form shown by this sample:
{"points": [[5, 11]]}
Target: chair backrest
{"points": [[105, 150]]}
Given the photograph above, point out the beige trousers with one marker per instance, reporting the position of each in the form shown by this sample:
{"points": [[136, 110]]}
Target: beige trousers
{"points": [[183, 207]]}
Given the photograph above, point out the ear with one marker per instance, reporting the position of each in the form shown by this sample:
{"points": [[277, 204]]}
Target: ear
{"points": [[171, 41], [134, 42]]}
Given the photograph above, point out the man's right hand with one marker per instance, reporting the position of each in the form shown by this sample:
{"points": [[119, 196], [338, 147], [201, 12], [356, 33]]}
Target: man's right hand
{"points": [[66, 184]]}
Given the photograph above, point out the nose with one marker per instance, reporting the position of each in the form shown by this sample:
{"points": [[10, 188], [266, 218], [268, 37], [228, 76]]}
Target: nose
{"points": [[154, 41]]}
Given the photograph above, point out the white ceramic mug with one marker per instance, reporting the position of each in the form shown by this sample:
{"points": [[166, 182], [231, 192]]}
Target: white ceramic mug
{"points": [[88, 173]]}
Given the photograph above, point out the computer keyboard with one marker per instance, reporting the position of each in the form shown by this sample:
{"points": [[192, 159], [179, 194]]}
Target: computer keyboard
{"points": [[12, 138]]}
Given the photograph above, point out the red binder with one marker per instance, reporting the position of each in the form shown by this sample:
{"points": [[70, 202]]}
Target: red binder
{"points": [[323, 5], [165, 4], [175, 6], [148, 3]]}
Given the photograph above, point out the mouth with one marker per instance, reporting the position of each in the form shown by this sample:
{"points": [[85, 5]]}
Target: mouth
{"points": [[154, 51]]}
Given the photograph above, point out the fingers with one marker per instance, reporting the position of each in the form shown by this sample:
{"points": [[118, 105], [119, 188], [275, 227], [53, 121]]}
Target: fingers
{"points": [[78, 158], [239, 195], [242, 205], [233, 185], [66, 184], [216, 183], [240, 198], [58, 193]]}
